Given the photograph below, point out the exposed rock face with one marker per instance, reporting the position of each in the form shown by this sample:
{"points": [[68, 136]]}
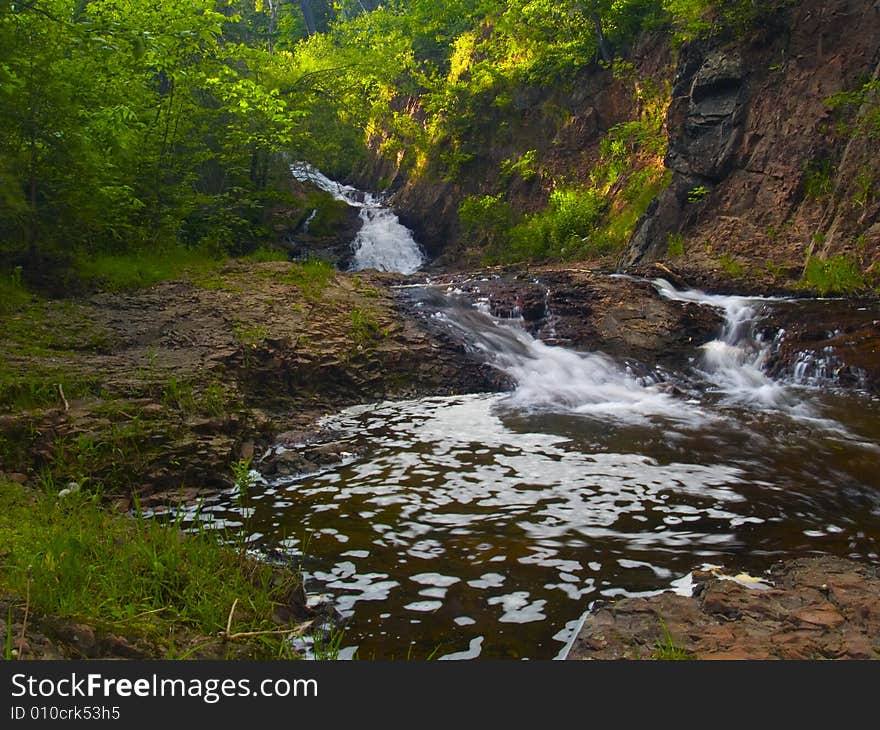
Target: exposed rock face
{"points": [[813, 608], [332, 245], [763, 170], [564, 126]]}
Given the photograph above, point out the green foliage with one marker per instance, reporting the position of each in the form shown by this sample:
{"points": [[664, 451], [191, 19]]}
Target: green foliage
{"points": [[311, 277], [127, 126], [214, 400], [144, 266], [561, 230], [866, 102], [525, 166], [13, 292], [265, 254], [179, 394], [251, 336], [730, 265], [666, 649], [818, 179], [327, 642], [864, 187], [364, 326], [839, 274], [487, 215], [675, 245], [706, 18], [697, 194], [133, 574]]}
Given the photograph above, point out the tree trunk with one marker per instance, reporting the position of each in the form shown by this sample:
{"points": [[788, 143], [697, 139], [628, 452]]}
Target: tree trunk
{"points": [[601, 41], [308, 16]]}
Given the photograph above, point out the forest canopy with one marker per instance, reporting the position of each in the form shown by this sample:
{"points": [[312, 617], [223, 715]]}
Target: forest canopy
{"points": [[170, 124]]}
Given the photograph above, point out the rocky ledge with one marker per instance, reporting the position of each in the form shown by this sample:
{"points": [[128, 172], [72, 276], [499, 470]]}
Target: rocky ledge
{"points": [[809, 608]]}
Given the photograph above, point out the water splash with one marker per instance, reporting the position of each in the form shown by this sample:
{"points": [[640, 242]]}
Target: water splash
{"points": [[558, 379], [383, 242]]}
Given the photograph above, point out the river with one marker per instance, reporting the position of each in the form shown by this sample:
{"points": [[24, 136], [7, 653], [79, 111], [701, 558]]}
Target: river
{"points": [[483, 526]]}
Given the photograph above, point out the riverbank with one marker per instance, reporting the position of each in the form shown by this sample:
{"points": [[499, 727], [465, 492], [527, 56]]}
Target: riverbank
{"points": [[806, 609], [156, 396]]}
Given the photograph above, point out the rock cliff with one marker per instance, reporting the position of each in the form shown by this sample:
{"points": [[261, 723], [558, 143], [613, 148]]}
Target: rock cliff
{"points": [[765, 171]]}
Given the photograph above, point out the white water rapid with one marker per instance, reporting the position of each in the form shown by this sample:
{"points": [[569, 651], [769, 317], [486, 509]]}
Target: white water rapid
{"points": [[383, 242], [550, 378], [735, 361]]}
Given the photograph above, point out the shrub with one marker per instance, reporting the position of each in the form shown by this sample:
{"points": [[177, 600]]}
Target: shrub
{"points": [[818, 179], [560, 230], [836, 275]]}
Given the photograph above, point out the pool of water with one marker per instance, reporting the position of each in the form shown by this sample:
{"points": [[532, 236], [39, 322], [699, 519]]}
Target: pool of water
{"points": [[485, 525]]}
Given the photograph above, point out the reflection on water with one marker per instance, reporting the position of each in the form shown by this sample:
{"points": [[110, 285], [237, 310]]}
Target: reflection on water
{"points": [[480, 529], [484, 525]]}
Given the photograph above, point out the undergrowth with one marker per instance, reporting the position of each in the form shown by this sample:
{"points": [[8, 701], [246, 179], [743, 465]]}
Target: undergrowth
{"points": [[839, 274], [144, 267]]}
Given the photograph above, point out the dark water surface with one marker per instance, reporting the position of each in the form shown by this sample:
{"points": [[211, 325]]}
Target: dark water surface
{"points": [[484, 525]]}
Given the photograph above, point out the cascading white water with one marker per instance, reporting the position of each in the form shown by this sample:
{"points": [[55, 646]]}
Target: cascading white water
{"points": [[483, 524], [558, 379], [735, 362], [383, 242]]}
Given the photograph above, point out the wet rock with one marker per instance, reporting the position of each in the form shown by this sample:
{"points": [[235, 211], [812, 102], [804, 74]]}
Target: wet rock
{"points": [[331, 240], [817, 608], [827, 342], [589, 311]]}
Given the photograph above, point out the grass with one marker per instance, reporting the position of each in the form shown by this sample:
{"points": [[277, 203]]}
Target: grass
{"points": [[327, 643], [675, 245], [835, 275], [43, 335], [818, 179], [364, 326], [265, 254], [731, 266], [311, 277], [144, 267], [666, 649], [81, 561], [13, 293]]}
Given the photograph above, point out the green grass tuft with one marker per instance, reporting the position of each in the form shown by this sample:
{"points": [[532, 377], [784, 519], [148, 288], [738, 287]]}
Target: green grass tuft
{"points": [[836, 275], [311, 277], [666, 649], [143, 267], [134, 574]]}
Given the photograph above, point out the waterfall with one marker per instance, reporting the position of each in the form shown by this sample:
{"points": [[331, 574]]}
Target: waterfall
{"points": [[383, 242], [553, 378], [734, 363]]}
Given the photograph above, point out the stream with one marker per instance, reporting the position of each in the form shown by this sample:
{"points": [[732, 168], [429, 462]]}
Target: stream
{"points": [[483, 526]]}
